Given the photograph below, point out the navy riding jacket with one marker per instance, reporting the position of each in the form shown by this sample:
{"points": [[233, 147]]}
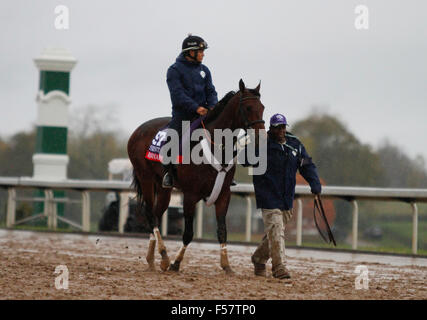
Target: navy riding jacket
{"points": [[275, 189], [190, 86]]}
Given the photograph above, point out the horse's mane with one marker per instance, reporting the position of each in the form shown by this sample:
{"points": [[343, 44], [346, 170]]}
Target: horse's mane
{"points": [[220, 106]]}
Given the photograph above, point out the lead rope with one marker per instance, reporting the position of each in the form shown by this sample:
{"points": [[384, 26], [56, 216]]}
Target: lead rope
{"points": [[319, 206]]}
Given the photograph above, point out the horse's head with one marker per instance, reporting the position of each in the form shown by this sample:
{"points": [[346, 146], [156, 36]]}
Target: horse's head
{"points": [[240, 110], [249, 110]]}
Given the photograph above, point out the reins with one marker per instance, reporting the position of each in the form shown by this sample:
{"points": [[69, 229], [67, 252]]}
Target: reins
{"points": [[207, 137]]}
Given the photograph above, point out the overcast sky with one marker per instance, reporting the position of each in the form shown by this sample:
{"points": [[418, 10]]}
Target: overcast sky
{"points": [[306, 53]]}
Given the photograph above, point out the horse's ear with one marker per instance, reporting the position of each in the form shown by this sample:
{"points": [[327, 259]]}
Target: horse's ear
{"points": [[241, 85], [258, 87]]}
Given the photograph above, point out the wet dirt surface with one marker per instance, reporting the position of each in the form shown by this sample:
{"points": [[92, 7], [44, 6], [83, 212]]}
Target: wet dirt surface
{"points": [[104, 267]]}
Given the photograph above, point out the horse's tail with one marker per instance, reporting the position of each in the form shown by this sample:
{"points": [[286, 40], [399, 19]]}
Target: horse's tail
{"points": [[141, 207], [137, 186]]}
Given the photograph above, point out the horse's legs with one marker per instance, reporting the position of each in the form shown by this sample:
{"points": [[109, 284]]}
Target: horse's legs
{"points": [[189, 208], [147, 204], [150, 252], [221, 206], [162, 203]]}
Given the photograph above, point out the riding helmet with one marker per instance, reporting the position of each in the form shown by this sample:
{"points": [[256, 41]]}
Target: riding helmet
{"points": [[193, 43]]}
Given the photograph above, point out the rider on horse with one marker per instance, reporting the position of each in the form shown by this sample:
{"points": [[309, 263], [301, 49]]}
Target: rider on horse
{"points": [[191, 90]]}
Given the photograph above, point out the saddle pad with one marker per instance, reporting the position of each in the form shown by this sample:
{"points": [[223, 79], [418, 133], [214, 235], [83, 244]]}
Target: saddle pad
{"points": [[153, 152]]}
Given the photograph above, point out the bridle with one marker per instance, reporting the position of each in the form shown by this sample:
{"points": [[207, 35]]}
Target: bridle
{"points": [[248, 124], [242, 111]]}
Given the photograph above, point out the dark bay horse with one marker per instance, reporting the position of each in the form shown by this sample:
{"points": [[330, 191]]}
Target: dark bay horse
{"points": [[243, 110]]}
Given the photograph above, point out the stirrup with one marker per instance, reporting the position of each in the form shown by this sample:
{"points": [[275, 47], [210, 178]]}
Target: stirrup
{"points": [[167, 181]]}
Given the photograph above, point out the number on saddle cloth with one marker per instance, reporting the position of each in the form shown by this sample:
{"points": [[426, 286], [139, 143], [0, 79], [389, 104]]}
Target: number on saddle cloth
{"points": [[153, 152]]}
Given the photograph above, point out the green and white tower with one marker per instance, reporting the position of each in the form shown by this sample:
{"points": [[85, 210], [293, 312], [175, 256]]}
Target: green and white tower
{"points": [[50, 159]]}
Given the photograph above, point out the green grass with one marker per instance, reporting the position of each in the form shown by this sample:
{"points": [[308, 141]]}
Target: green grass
{"points": [[397, 236], [42, 228], [93, 228]]}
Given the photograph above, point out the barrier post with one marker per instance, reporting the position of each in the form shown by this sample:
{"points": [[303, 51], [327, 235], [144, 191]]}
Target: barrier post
{"points": [[165, 224], [54, 210], [199, 213], [414, 227], [48, 194], [248, 218], [11, 207], [85, 211], [124, 210], [355, 224], [299, 222]]}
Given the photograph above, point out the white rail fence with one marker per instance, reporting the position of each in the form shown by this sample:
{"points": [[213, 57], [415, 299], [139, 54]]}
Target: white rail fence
{"points": [[351, 194]]}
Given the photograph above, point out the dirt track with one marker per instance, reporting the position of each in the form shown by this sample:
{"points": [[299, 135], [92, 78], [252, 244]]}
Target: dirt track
{"points": [[113, 268]]}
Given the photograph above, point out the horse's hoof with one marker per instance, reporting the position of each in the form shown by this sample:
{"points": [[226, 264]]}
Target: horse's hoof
{"points": [[150, 268], [228, 271], [174, 267], [164, 265]]}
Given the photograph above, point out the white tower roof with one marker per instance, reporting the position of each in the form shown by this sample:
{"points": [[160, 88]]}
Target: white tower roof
{"points": [[55, 59]]}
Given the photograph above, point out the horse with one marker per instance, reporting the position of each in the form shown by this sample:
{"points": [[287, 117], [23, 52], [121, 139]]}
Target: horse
{"points": [[243, 110]]}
